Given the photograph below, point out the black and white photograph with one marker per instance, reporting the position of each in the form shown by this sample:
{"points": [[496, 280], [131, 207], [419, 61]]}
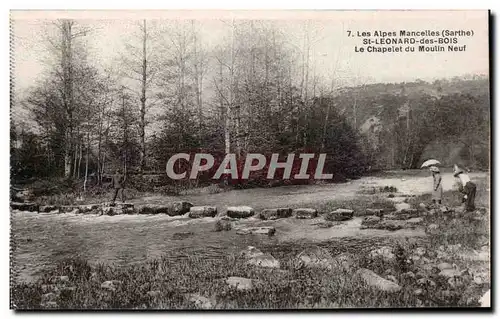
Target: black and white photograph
{"points": [[250, 160]]}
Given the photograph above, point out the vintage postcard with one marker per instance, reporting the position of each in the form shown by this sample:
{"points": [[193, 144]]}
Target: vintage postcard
{"points": [[250, 160]]}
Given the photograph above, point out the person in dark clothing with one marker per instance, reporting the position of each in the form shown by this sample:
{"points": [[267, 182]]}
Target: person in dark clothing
{"points": [[467, 188], [118, 186]]}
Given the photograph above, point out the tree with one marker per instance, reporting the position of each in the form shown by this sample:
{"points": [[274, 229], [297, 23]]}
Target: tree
{"points": [[141, 59], [66, 72]]}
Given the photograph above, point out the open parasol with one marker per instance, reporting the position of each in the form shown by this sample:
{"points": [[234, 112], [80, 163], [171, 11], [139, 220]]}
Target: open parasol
{"points": [[431, 162]]}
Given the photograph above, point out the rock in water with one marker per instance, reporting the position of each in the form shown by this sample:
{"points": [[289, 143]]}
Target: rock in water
{"points": [[90, 209], [370, 221], [182, 235], [202, 211], [240, 211], [339, 215], [374, 280], [171, 209], [265, 260], [47, 208], [275, 213], [240, 283], [66, 209], [412, 212], [399, 216], [126, 208], [222, 225], [305, 213], [264, 230], [315, 257], [30, 207], [152, 209], [415, 220], [118, 209], [375, 212], [112, 210], [390, 225]]}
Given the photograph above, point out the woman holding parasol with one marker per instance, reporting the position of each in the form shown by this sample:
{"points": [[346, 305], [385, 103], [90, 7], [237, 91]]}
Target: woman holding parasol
{"points": [[437, 188]]}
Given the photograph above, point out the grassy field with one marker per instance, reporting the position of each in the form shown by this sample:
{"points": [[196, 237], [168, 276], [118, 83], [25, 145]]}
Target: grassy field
{"points": [[196, 282]]}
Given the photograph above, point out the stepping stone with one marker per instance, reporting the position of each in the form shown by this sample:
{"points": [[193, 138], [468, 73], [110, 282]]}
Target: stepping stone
{"points": [[375, 211], [47, 208], [89, 209], [240, 211], [179, 208], [339, 215], [152, 209], [412, 212], [30, 207], [305, 213], [171, 209], [275, 213], [369, 221], [202, 211]]}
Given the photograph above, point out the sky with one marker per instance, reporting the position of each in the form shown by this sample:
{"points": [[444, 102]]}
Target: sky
{"points": [[332, 47]]}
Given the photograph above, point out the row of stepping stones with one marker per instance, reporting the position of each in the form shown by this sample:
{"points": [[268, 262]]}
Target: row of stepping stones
{"points": [[183, 207]]}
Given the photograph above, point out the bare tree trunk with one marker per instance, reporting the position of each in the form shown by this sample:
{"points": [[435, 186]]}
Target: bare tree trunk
{"points": [[142, 123], [99, 142], [67, 157], [232, 92], [86, 164], [197, 76], [80, 153], [75, 161], [103, 162], [306, 88], [354, 107], [66, 62], [325, 127]]}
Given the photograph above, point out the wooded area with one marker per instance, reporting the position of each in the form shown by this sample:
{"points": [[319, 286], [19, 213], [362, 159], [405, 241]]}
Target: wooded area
{"points": [[256, 92]]}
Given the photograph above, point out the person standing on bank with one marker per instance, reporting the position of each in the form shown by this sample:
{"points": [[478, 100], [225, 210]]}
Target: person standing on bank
{"points": [[466, 187], [118, 186], [437, 189]]}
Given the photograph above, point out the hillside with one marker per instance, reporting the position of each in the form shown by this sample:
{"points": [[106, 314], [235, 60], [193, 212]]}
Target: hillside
{"points": [[394, 117]]}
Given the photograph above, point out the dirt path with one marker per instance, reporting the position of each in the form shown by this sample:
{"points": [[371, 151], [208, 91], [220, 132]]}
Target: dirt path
{"points": [[42, 239]]}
